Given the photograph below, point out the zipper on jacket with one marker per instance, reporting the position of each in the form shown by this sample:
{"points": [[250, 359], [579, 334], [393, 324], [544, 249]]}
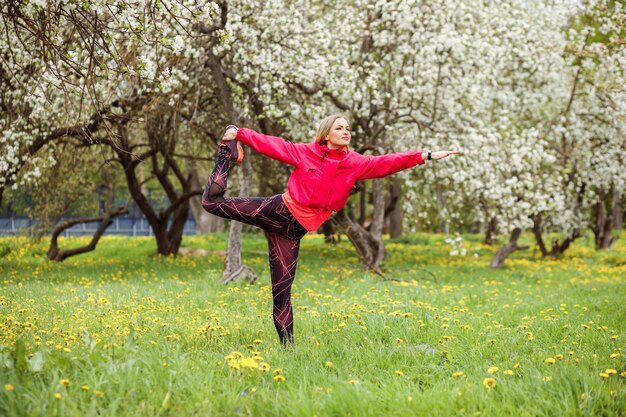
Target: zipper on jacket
{"points": [[322, 161]]}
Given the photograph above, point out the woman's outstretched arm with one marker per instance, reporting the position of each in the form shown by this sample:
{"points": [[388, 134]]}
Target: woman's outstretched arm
{"points": [[272, 146], [384, 165]]}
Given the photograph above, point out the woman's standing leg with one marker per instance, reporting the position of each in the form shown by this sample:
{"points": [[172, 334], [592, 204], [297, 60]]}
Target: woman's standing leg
{"points": [[283, 253]]}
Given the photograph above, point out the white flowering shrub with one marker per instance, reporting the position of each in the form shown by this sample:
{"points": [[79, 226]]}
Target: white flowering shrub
{"points": [[459, 247]]}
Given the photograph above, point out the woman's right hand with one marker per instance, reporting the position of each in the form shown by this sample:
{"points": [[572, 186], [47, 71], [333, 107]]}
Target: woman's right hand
{"points": [[443, 154], [230, 134]]}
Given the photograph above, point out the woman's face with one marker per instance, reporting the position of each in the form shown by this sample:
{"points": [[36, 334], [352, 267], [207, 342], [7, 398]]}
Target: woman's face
{"points": [[339, 135]]}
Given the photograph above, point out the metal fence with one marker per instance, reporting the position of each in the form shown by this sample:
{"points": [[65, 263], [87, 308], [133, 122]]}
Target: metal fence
{"points": [[125, 226]]}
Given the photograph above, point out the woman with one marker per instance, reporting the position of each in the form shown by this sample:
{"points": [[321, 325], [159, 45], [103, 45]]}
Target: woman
{"points": [[324, 173]]}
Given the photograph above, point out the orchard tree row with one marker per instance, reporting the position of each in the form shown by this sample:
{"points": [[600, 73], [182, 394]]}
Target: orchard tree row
{"points": [[105, 93]]}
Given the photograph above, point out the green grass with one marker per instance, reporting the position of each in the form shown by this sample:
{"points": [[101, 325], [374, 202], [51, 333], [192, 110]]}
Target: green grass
{"points": [[122, 332]]}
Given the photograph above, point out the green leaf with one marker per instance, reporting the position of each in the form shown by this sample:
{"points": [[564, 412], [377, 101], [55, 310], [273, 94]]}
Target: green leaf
{"points": [[36, 362]]}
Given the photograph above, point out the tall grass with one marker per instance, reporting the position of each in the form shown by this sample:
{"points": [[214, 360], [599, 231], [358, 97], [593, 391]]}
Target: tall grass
{"points": [[122, 332]]}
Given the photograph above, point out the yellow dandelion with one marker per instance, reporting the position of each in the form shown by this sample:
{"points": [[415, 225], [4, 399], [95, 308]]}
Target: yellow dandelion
{"points": [[547, 378], [279, 378], [604, 375], [65, 382], [9, 387], [508, 372], [611, 371], [492, 370], [458, 374], [264, 367], [248, 363], [517, 365], [399, 373], [229, 358], [257, 341], [615, 355], [257, 358], [407, 315], [328, 364], [623, 374], [278, 371], [353, 382], [85, 387], [550, 360], [234, 366], [58, 396], [489, 383], [99, 394], [559, 357]]}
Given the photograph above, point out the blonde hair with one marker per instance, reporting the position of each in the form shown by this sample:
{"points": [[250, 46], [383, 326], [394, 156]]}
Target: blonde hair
{"points": [[325, 125]]}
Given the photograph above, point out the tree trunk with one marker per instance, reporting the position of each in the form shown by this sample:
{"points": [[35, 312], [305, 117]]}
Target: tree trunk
{"points": [[378, 220], [490, 233], [618, 210], [505, 251], [603, 222], [158, 130], [55, 254], [169, 240], [362, 203], [366, 247], [234, 269], [177, 228], [394, 209], [330, 235], [558, 248], [537, 232]]}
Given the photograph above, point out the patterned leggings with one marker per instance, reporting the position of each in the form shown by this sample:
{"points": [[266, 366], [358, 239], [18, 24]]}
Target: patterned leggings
{"points": [[283, 231]]}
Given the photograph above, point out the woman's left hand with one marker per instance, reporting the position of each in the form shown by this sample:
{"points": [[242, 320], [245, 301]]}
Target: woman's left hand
{"points": [[442, 154], [230, 134]]}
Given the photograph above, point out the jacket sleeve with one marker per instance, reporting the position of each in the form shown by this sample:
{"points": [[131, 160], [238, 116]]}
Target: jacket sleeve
{"points": [[381, 166], [272, 146]]}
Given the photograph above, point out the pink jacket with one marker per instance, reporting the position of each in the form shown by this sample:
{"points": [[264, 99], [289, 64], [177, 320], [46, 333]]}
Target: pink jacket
{"points": [[324, 182]]}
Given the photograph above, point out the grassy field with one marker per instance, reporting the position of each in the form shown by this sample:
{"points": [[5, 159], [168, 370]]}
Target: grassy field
{"points": [[120, 332]]}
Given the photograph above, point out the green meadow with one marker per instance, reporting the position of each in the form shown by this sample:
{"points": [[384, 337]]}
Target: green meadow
{"points": [[121, 332]]}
